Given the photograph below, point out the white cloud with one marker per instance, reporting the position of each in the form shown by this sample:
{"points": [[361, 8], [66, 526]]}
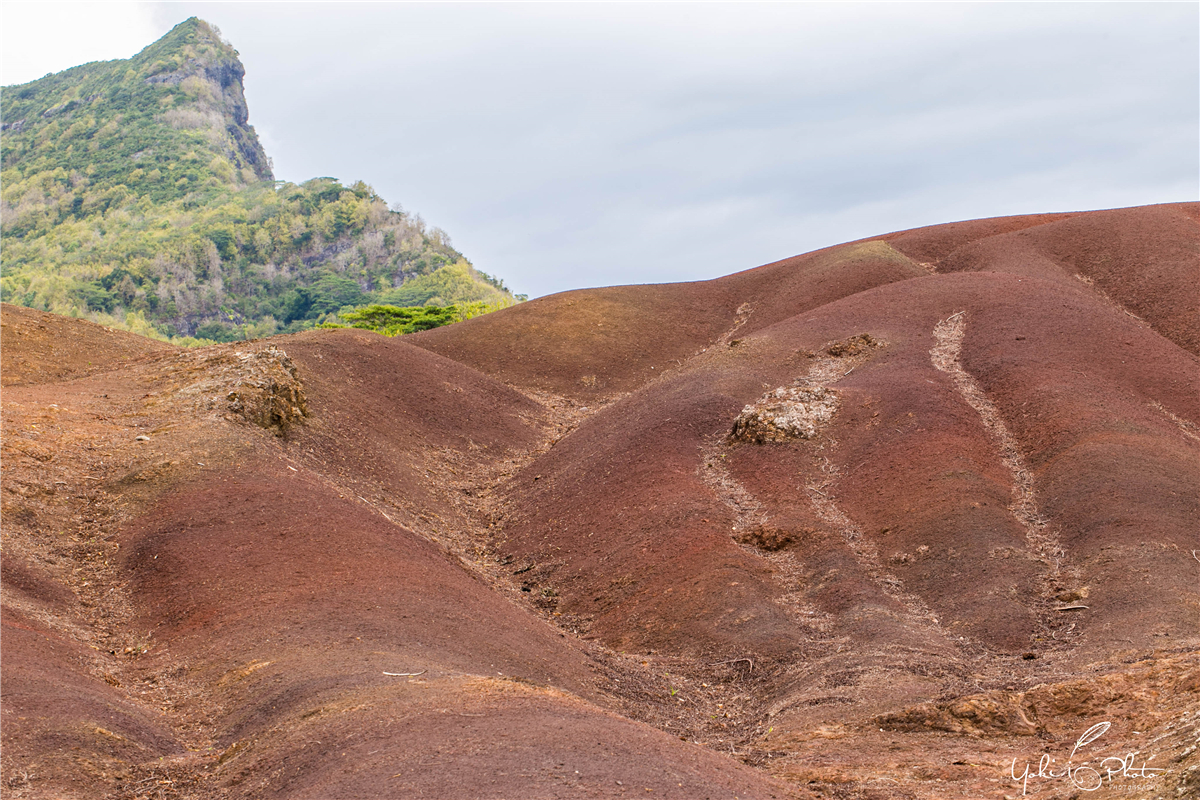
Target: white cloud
{"points": [[46, 36]]}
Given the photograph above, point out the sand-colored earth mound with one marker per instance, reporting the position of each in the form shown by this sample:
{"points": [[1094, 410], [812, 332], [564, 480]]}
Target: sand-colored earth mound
{"points": [[911, 517]]}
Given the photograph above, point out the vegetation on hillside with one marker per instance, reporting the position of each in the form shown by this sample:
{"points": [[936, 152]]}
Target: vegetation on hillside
{"points": [[393, 321], [135, 193]]}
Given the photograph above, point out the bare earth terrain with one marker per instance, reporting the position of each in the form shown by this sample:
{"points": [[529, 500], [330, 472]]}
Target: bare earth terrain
{"points": [[912, 517]]}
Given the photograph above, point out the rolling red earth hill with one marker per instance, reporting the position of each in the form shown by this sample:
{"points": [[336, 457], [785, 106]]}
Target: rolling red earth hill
{"points": [[894, 519]]}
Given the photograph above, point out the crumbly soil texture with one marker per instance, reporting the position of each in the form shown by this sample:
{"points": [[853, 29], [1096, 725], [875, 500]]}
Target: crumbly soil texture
{"points": [[910, 517]]}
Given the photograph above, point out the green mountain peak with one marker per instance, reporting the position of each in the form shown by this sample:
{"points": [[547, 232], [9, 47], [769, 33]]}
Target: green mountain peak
{"points": [[135, 192], [169, 120]]}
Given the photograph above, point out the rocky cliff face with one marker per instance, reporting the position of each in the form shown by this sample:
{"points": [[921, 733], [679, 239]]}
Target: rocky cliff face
{"points": [[215, 74], [163, 123]]}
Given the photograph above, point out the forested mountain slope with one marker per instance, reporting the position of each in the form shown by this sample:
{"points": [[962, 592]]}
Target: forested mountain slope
{"points": [[136, 192]]}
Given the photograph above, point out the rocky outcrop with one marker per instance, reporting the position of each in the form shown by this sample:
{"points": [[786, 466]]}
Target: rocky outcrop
{"points": [[789, 412], [260, 386]]}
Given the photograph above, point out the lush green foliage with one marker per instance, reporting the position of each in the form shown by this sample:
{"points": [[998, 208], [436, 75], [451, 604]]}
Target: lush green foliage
{"points": [[134, 193], [392, 320], [167, 124]]}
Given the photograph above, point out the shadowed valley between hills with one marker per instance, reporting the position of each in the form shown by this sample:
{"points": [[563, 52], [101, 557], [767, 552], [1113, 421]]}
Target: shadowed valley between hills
{"points": [[888, 520]]}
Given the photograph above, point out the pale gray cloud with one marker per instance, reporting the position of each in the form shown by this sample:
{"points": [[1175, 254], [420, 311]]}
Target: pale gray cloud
{"points": [[38, 37], [576, 145]]}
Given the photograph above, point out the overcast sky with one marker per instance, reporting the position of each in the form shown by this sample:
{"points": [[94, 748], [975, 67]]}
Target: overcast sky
{"points": [[571, 145]]}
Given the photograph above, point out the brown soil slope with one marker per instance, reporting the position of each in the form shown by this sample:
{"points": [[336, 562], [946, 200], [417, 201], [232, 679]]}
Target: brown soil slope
{"points": [[43, 348], [896, 518], [225, 613], [601, 342], [1144, 259]]}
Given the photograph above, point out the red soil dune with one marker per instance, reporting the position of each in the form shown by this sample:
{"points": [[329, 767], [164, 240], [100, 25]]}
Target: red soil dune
{"points": [[45, 348], [891, 519]]}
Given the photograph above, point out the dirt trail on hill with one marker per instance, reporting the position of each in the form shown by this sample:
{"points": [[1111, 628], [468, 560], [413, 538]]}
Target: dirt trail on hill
{"points": [[898, 518]]}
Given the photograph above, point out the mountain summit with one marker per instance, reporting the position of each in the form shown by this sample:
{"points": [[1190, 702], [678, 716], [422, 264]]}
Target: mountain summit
{"points": [[160, 124], [136, 193]]}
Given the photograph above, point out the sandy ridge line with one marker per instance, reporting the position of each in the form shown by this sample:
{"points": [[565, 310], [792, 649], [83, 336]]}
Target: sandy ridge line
{"points": [[1043, 541], [723, 344], [1109, 300], [1187, 427], [749, 514], [825, 371], [748, 511], [743, 315]]}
